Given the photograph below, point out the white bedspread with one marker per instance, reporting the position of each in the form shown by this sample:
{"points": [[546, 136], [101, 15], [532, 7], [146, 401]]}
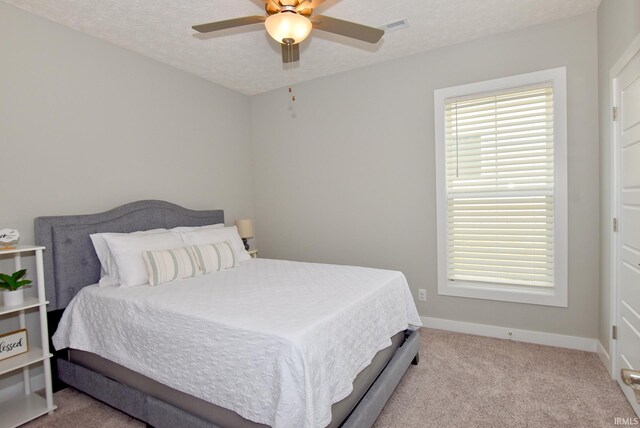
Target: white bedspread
{"points": [[277, 342]]}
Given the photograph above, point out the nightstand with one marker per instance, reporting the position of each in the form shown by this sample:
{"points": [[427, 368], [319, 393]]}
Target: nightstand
{"points": [[253, 254]]}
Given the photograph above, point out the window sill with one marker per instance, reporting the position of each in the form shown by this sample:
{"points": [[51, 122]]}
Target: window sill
{"points": [[499, 292]]}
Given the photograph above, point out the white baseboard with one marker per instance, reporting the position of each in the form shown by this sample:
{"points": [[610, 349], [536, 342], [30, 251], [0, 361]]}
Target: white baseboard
{"points": [[12, 391], [604, 357], [529, 336]]}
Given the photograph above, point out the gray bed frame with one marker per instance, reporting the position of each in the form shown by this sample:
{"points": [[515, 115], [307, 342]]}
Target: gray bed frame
{"points": [[70, 263]]}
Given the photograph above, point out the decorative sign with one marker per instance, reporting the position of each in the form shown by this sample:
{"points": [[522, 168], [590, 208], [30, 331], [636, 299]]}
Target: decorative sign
{"points": [[8, 237], [14, 343]]}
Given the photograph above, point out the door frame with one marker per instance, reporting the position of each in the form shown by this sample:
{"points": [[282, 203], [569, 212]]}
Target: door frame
{"points": [[626, 57]]}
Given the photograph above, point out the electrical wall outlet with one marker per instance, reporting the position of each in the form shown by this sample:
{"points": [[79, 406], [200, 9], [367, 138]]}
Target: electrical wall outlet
{"points": [[422, 294]]}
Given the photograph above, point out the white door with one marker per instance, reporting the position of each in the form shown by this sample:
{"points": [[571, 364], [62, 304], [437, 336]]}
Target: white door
{"points": [[627, 135]]}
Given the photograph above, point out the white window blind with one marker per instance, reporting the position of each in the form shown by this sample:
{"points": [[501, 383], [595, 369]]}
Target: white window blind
{"points": [[499, 186]]}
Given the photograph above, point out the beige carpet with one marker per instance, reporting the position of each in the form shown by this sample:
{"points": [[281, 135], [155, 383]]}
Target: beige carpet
{"points": [[473, 381], [462, 381]]}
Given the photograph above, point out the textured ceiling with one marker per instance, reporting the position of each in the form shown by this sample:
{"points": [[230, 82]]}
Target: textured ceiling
{"points": [[249, 61]]}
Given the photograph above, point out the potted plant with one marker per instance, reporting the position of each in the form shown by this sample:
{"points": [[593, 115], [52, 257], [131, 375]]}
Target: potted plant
{"points": [[12, 284]]}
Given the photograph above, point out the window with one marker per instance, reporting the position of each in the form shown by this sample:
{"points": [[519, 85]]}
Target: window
{"points": [[502, 198]]}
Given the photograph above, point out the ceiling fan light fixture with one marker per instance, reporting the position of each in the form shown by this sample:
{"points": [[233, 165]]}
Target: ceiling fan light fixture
{"points": [[288, 25]]}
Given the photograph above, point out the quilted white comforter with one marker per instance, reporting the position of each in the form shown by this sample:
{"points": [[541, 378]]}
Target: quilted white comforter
{"points": [[277, 342]]}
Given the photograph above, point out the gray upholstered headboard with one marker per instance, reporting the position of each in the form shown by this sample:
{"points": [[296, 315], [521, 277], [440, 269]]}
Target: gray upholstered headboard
{"points": [[70, 261]]}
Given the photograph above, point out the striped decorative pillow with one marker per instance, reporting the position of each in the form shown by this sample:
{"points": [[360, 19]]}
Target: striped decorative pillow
{"points": [[169, 265], [215, 257]]}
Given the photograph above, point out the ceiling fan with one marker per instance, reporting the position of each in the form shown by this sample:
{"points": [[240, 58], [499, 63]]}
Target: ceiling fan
{"points": [[289, 22]]}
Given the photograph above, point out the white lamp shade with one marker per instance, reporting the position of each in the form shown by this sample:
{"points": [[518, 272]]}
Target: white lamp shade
{"points": [[288, 25], [245, 228]]}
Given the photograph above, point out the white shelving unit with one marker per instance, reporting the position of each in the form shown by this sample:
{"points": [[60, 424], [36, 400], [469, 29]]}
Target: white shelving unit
{"points": [[22, 409]]}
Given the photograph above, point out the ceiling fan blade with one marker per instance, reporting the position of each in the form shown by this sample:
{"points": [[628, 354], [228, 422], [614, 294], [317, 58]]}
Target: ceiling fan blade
{"points": [[347, 28], [229, 23], [290, 53]]}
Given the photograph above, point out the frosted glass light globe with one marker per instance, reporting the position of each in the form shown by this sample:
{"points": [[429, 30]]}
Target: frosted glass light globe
{"points": [[288, 25]]}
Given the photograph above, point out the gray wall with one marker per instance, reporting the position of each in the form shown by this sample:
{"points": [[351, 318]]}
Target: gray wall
{"points": [[346, 173], [92, 126], [618, 25], [86, 126]]}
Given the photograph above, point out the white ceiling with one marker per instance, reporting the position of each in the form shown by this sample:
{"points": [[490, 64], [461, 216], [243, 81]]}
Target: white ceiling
{"points": [[249, 61]]}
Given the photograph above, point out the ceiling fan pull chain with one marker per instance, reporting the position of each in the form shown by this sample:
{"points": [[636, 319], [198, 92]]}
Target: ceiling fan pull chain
{"points": [[289, 43]]}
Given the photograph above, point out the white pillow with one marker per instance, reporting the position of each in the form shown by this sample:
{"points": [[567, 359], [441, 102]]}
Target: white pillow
{"points": [[215, 235], [109, 270], [127, 251], [194, 228]]}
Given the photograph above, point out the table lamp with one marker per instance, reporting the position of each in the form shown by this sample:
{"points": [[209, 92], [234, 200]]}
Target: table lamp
{"points": [[245, 230]]}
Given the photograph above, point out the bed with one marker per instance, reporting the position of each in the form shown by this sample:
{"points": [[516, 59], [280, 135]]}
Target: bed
{"points": [[72, 270]]}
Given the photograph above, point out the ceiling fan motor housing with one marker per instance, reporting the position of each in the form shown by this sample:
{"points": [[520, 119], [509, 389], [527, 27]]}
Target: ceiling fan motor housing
{"points": [[273, 9]]}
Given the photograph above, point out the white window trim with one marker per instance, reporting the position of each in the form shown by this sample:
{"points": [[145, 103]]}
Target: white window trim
{"points": [[552, 297]]}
